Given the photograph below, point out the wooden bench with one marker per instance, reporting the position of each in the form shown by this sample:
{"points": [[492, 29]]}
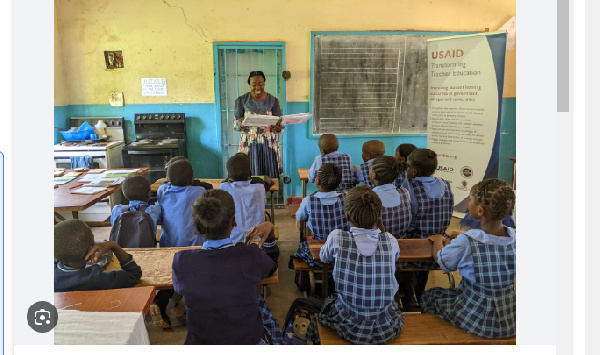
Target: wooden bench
{"points": [[293, 209], [300, 265], [422, 329]]}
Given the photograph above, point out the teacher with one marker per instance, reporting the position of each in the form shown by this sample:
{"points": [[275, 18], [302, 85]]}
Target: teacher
{"points": [[260, 143]]}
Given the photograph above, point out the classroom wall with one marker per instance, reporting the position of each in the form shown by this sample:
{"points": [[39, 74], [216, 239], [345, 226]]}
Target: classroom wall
{"points": [[173, 39]]}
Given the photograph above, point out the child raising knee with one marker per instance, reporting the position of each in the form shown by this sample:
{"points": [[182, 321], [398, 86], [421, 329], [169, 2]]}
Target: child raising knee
{"points": [[370, 151], [363, 310], [218, 282], [328, 145], [484, 303]]}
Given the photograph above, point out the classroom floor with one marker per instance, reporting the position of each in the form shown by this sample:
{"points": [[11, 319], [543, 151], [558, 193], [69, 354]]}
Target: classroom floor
{"points": [[281, 295]]}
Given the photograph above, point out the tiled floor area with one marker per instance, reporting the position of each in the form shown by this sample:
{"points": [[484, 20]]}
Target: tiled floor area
{"points": [[281, 294]]}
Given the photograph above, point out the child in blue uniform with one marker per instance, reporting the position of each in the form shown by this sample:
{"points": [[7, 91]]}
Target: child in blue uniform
{"points": [[137, 190], [370, 150], [218, 282], [363, 310], [328, 145], [395, 213], [484, 303], [74, 246], [431, 202], [176, 199], [249, 198], [197, 182], [402, 153], [324, 211]]}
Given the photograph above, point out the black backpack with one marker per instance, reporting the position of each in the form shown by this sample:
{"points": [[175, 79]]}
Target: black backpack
{"points": [[298, 318], [133, 229]]}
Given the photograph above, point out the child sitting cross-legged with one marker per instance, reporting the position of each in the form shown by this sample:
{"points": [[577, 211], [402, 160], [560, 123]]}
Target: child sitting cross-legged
{"points": [[484, 303], [363, 310], [137, 229], [218, 282], [74, 246]]}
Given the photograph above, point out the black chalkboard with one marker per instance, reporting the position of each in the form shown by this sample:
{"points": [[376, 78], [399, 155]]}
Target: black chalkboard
{"points": [[370, 83]]}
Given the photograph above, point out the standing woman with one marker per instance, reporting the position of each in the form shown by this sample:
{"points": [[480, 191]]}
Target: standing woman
{"points": [[260, 143]]}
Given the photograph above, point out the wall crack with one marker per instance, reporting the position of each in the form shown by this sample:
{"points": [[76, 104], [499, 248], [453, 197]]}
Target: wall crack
{"points": [[201, 32]]}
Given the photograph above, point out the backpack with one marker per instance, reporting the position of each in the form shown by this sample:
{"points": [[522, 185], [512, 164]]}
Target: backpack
{"points": [[133, 229], [298, 318]]}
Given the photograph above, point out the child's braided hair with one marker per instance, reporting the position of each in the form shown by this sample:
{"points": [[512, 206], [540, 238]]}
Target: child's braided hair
{"points": [[330, 176], [425, 160], [387, 169], [496, 195], [363, 206]]}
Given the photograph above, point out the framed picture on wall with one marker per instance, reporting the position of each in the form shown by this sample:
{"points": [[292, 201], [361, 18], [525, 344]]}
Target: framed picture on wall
{"points": [[113, 59]]}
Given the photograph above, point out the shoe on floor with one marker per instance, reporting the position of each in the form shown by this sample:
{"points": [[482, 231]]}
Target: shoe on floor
{"points": [[157, 319], [179, 309]]}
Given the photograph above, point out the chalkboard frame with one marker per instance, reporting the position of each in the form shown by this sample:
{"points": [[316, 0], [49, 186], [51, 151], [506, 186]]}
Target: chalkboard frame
{"points": [[313, 34]]}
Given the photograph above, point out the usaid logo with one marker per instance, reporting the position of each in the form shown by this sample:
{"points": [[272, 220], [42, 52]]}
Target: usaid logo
{"points": [[446, 169], [455, 53]]}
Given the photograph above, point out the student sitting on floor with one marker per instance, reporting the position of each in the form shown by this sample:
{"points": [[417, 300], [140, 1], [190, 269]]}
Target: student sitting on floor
{"points": [[363, 310], [402, 153], [249, 198], [74, 246], [196, 182], [431, 203], [218, 282], [395, 201], [324, 211], [484, 303], [135, 230], [328, 145], [370, 150]]}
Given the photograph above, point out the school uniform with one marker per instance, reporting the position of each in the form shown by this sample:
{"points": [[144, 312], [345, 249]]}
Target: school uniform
{"points": [[362, 173], [343, 161], [432, 203], [324, 212], [93, 278], [484, 303], [395, 212], [400, 179], [154, 211], [249, 206], [218, 285], [363, 310], [177, 228]]}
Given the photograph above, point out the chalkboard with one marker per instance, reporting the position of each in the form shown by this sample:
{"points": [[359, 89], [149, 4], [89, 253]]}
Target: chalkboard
{"points": [[370, 83]]}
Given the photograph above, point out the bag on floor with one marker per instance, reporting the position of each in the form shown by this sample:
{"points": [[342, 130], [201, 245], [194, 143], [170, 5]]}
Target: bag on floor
{"points": [[298, 318], [133, 229]]}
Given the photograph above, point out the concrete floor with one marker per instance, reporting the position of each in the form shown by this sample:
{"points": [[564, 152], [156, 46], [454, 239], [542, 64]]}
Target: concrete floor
{"points": [[281, 294]]}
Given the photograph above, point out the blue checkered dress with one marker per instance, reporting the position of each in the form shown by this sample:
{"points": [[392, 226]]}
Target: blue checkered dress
{"points": [[434, 214], [400, 179], [345, 163], [326, 218], [364, 168], [272, 330], [363, 310], [487, 307], [397, 218]]}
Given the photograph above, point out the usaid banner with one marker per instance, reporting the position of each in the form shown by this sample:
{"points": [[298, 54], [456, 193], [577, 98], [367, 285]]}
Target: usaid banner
{"points": [[466, 77]]}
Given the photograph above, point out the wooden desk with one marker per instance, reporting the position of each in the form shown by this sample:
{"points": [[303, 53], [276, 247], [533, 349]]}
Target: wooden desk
{"points": [[217, 182], [157, 266], [133, 299], [65, 201], [422, 329]]}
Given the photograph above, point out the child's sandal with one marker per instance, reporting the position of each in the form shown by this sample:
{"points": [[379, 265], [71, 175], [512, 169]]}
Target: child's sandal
{"points": [[157, 319]]}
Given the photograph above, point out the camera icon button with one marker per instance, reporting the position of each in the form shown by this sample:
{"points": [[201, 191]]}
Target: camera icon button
{"points": [[42, 316]]}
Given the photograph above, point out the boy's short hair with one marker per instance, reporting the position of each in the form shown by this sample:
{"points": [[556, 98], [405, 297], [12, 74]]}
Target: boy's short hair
{"points": [[136, 188], [424, 160], [242, 154], [374, 148], [330, 176], [174, 159], [328, 143], [72, 240], [180, 173], [212, 213], [238, 168], [405, 149], [363, 206]]}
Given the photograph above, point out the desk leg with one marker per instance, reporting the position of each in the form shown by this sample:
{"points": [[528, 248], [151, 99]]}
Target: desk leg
{"points": [[272, 209], [302, 231], [58, 218], [75, 214], [304, 182], [325, 277]]}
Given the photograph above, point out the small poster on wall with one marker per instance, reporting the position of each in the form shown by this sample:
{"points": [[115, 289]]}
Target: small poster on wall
{"points": [[154, 87]]}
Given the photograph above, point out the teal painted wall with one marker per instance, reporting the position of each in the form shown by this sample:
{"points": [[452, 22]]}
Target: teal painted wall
{"points": [[203, 143]]}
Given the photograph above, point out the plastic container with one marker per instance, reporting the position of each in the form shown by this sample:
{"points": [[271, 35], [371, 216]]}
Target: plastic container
{"points": [[77, 135], [100, 129]]}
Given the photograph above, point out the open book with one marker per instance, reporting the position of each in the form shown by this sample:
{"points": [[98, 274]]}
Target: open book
{"points": [[105, 182], [253, 120]]}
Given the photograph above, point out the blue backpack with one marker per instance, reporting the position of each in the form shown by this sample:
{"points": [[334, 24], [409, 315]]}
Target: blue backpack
{"points": [[298, 318], [133, 229]]}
